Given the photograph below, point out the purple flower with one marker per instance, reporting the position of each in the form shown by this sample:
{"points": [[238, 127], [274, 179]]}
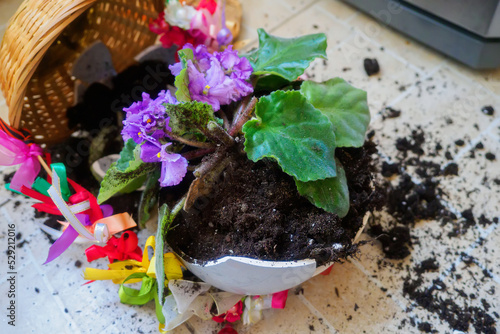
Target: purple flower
{"points": [[173, 165], [212, 87], [146, 120], [233, 65], [216, 79], [201, 58]]}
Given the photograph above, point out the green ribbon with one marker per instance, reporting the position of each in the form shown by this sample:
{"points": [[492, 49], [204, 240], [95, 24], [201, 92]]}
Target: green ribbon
{"points": [[42, 186], [147, 292], [7, 186]]}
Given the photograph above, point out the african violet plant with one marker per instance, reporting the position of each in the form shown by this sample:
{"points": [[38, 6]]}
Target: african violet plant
{"points": [[222, 99], [298, 123]]}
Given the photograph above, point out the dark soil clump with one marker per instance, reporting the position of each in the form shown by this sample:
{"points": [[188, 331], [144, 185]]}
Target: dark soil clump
{"points": [[488, 110], [394, 241], [257, 212], [371, 66], [450, 169]]}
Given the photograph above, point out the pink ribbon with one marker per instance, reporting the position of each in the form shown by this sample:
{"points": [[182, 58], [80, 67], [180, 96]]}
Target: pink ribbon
{"points": [[279, 299], [14, 152]]}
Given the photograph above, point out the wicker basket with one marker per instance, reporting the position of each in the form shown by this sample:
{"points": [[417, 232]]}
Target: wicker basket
{"points": [[43, 40]]}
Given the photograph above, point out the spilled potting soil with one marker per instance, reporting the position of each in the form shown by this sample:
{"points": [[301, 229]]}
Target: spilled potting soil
{"points": [[420, 199]]}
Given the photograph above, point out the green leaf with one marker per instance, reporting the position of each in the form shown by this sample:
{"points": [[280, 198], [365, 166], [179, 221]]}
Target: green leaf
{"points": [[190, 115], [129, 154], [344, 105], [163, 215], [182, 80], [290, 130], [330, 194], [165, 219], [126, 180], [149, 197], [286, 57], [270, 83]]}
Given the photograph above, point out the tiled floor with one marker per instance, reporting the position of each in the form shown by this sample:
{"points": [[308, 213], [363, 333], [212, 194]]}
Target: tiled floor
{"points": [[364, 295]]}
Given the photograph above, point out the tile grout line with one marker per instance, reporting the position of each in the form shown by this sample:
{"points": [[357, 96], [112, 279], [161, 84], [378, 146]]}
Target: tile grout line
{"points": [[57, 299], [294, 15], [389, 51], [408, 91], [493, 135], [463, 76], [483, 236], [336, 19], [414, 86], [475, 140], [468, 251], [379, 284], [46, 281], [352, 17], [406, 309], [483, 233], [317, 313]]}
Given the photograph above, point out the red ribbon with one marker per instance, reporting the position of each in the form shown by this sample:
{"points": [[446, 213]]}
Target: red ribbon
{"points": [[124, 248], [82, 194], [327, 271]]}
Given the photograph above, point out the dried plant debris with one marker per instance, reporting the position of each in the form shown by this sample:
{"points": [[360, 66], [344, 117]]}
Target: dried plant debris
{"points": [[414, 194]]}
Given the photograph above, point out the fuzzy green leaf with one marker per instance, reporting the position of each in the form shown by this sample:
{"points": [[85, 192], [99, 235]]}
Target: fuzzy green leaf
{"points": [[344, 105], [330, 194], [190, 115], [286, 57], [129, 154], [294, 133], [182, 80], [149, 197], [128, 177]]}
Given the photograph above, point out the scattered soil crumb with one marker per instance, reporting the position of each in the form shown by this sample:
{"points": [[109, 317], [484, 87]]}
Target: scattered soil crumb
{"points": [[371, 66], [488, 110]]}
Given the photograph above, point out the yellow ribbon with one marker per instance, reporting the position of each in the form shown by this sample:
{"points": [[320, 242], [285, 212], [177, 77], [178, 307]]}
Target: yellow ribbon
{"points": [[120, 270]]}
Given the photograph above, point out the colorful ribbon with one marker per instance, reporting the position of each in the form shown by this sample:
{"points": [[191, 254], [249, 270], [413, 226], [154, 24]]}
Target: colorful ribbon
{"points": [[255, 305], [124, 248], [119, 271], [17, 148], [194, 298], [84, 215], [278, 300], [147, 292], [132, 271]]}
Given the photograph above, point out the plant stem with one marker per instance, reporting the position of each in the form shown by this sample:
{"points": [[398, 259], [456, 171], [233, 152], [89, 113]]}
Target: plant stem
{"points": [[224, 118], [198, 153], [189, 142], [218, 133], [243, 117], [241, 108]]}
